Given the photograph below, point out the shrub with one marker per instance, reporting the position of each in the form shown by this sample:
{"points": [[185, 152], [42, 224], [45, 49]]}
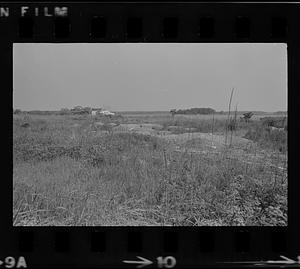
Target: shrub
{"points": [[275, 139]]}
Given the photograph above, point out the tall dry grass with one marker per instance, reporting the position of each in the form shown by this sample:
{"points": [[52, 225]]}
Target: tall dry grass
{"points": [[135, 179]]}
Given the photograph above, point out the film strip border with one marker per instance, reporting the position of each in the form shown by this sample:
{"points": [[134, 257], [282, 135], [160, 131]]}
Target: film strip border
{"points": [[110, 247], [147, 23], [113, 247]]}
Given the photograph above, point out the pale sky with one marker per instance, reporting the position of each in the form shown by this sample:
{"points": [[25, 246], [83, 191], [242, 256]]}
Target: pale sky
{"points": [[150, 76]]}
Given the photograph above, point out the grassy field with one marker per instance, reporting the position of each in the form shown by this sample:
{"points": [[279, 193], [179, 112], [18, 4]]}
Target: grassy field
{"points": [[147, 169]]}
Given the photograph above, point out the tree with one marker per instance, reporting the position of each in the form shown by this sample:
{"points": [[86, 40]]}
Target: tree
{"points": [[173, 112], [87, 109], [64, 111], [247, 116], [77, 107], [81, 110]]}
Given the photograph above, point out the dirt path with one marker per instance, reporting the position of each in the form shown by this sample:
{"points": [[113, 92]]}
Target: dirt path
{"points": [[181, 138]]}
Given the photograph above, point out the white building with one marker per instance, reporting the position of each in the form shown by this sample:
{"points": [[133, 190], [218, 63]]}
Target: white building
{"points": [[95, 111], [99, 111], [107, 113]]}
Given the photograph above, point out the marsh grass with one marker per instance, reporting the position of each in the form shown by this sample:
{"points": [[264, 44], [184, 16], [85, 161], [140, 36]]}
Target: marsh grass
{"points": [[136, 179], [275, 139]]}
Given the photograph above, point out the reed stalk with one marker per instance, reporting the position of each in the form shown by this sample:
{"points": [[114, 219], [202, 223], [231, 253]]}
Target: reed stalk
{"points": [[228, 115], [234, 125], [212, 129]]}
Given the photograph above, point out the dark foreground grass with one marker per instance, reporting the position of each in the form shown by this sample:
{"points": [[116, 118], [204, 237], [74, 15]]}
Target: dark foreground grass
{"points": [[134, 179]]}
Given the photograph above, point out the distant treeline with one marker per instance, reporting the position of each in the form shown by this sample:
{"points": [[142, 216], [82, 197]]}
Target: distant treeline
{"points": [[63, 111], [190, 111], [193, 111], [36, 112], [41, 112], [280, 112]]}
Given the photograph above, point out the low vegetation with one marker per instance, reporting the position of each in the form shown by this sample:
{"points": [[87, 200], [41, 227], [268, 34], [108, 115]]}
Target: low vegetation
{"points": [[267, 138], [65, 174], [193, 111]]}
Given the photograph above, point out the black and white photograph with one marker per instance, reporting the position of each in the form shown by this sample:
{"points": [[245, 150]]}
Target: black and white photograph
{"points": [[150, 134]]}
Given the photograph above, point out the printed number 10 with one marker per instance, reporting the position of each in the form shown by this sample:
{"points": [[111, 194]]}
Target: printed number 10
{"points": [[167, 262]]}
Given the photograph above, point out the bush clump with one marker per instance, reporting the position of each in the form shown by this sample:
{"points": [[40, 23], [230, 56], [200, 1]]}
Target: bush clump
{"points": [[268, 138]]}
